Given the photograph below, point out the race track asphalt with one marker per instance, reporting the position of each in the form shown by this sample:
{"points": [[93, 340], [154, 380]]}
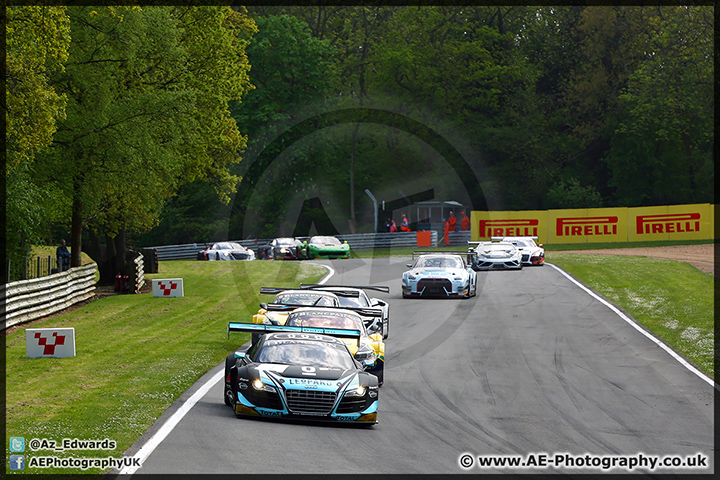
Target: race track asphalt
{"points": [[532, 365]]}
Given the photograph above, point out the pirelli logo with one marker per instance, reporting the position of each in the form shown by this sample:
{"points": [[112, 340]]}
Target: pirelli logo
{"points": [[509, 228], [668, 223], [578, 226]]}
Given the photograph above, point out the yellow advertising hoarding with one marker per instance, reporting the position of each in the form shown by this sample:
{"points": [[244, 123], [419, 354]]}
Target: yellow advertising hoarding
{"points": [[527, 223], [588, 225], [598, 225], [673, 222]]}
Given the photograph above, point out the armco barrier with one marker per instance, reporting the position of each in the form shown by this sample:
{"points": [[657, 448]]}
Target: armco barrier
{"points": [[27, 300], [360, 241]]}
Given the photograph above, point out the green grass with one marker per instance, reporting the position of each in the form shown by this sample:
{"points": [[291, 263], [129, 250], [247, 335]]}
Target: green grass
{"points": [[135, 354], [555, 247], [672, 299]]}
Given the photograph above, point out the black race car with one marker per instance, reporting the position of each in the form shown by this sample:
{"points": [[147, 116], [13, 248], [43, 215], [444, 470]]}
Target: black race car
{"points": [[301, 373], [283, 248]]}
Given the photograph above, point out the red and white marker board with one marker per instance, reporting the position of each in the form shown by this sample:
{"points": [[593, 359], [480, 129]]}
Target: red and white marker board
{"points": [[169, 287], [50, 342]]}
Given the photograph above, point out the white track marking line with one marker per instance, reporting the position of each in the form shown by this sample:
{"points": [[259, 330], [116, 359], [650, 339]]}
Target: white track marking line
{"points": [[175, 418], [628, 320]]}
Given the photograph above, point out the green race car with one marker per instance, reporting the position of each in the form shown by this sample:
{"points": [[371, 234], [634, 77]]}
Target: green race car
{"points": [[325, 247]]}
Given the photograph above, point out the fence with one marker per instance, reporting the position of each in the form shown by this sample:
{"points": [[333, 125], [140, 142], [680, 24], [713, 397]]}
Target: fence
{"points": [[27, 300], [360, 241], [31, 267]]}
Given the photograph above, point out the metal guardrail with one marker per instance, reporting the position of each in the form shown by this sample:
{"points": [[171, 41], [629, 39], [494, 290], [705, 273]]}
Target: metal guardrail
{"points": [[27, 300], [360, 241]]}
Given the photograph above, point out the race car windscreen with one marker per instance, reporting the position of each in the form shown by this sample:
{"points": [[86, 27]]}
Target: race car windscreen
{"points": [[358, 301], [325, 240], [311, 354], [305, 298], [325, 320], [287, 242], [439, 262]]}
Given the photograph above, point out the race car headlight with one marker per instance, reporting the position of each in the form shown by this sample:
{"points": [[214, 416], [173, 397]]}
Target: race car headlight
{"points": [[356, 392], [284, 250], [259, 385], [411, 277]]}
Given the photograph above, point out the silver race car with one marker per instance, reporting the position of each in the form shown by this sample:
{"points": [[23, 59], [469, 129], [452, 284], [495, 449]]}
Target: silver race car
{"points": [[532, 253], [439, 274], [494, 256]]}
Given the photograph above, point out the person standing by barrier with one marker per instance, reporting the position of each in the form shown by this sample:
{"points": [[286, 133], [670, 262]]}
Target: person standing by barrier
{"points": [[405, 225], [452, 220], [464, 222], [446, 228], [63, 257]]}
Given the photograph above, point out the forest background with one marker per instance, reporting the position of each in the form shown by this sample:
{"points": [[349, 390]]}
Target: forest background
{"points": [[170, 125]]}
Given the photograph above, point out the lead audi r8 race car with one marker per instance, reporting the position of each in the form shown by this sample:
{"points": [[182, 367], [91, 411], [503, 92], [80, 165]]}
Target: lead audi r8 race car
{"points": [[300, 373], [369, 350], [356, 298], [494, 256], [284, 248], [226, 251], [532, 253], [439, 274], [325, 247]]}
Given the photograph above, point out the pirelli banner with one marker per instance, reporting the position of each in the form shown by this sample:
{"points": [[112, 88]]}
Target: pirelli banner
{"points": [[599, 225]]}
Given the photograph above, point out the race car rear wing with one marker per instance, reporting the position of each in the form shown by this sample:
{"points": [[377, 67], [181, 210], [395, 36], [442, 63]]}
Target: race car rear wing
{"points": [[276, 290], [262, 328], [444, 252], [499, 239], [280, 307], [344, 293]]}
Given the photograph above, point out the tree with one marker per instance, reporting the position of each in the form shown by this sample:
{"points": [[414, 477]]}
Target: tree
{"points": [[666, 109], [147, 111], [37, 41]]}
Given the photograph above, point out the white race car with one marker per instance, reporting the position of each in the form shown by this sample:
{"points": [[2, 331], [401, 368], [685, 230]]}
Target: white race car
{"points": [[226, 251], [532, 253], [494, 256], [439, 275]]}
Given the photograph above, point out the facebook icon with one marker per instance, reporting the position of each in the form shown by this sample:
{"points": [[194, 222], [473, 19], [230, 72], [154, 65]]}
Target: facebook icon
{"points": [[17, 462]]}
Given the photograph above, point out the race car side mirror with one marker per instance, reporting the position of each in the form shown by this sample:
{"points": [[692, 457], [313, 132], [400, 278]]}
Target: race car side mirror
{"points": [[409, 265], [263, 306]]}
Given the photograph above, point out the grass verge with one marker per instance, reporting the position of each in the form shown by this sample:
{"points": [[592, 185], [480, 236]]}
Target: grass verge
{"points": [[674, 300], [135, 355]]}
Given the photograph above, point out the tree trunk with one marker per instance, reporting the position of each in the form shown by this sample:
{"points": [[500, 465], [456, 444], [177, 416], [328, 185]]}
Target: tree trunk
{"points": [[76, 229]]}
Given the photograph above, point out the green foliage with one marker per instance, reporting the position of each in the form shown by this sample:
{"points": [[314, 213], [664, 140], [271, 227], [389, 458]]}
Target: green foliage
{"points": [[571, 194], [37, 40]]}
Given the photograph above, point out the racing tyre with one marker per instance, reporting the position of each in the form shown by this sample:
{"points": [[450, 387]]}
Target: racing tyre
{"points": [[386, 328], [379, 372], [229, 394]]}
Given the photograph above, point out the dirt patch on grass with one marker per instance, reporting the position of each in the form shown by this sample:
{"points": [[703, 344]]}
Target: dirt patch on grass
{"points": [[700, 256]]}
